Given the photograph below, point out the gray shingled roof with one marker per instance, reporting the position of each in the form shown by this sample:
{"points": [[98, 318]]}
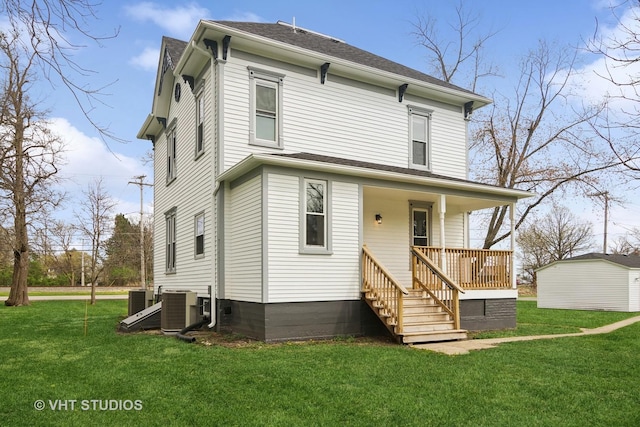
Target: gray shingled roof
{"points": [[175, 48], [332, 47], [632, 261], [375, 166]]}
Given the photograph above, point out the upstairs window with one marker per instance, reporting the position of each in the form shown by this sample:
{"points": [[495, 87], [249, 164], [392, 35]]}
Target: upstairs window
{"points": [[266, 109], [200, 123], [171, 154], [199, 235], [419, 137], [170, 247]]}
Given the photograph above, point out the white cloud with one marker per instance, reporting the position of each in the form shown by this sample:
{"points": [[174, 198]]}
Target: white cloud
{"points": [[87, 159], [179, 21], [147, 60]]}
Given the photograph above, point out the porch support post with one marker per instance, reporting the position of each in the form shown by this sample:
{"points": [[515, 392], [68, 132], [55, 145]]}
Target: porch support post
{"points": [[442, 209], [512, 267]]}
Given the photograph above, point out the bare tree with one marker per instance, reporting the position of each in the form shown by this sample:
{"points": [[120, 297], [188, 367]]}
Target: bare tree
{"points": [[620, 50], [537, 139], [459, 57], [558, 235], [29, 155], [94, 220], [65, 263], [55, 30], [628, 244]]}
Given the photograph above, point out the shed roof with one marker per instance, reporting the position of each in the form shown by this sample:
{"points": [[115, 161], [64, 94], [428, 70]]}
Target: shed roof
{"points": [[632, 261]]}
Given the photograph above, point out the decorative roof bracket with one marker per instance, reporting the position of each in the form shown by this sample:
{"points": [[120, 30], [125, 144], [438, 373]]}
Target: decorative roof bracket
{"points": [[189, 80], [401, 90], [323, 71], [211, 45], [225, 46]]}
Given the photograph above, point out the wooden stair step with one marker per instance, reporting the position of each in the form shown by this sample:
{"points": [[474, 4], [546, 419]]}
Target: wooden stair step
{"points": [[434, 336], [427, 327]]}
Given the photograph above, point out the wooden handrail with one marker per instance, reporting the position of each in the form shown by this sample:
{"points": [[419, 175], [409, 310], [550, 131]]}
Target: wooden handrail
{"points": [[384, 271], [443, 290], [383, 292], [436, 270], [473, 268]]}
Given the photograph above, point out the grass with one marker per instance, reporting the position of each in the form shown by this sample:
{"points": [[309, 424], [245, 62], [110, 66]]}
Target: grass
{"points": [[46, 355], [57, 293], [535, 321]]}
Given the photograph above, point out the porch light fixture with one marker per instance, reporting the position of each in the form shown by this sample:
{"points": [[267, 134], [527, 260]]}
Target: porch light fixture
{"points": [[379, 218]]}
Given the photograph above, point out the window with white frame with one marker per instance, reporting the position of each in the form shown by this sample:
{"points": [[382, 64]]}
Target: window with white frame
{"points": [[171, 154], [170, 250], [419, 136], [266, 108], [199, 235], [200, 123], [315, 214]]}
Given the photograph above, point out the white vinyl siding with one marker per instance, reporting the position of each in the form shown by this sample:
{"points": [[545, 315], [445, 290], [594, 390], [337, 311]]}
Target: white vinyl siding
{"points": [[390, 241], [341, 118], [295, 276], [243, 237], [190, 194], [587, 285]]}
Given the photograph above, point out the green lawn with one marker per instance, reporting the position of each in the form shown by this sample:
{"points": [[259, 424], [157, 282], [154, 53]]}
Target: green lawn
{"points": [[591, 380], [534, 321]]}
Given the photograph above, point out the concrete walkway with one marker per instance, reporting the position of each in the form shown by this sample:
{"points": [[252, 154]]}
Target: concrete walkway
{"points": [[463, 347]]}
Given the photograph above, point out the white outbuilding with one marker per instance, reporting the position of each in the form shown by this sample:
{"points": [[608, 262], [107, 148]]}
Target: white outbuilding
{"points": [[593, 281]]}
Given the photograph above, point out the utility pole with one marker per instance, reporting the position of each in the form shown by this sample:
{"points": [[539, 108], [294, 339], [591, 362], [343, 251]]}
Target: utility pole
{"points": [[605, 196], [143, 271]]}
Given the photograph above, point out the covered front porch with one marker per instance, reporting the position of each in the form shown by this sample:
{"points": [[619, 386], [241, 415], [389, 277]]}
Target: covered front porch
{"points": [[416, 245]]}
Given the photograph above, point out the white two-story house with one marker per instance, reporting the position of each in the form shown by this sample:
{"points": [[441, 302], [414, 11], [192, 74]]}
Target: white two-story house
{"points": [[313, 189]]}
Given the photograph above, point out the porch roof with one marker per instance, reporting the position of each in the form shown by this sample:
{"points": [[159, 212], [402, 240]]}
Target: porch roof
{"points": [[328, 164]]}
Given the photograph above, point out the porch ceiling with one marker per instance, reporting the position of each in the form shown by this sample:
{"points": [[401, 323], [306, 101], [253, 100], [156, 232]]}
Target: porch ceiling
{"points": [[455, 202]]}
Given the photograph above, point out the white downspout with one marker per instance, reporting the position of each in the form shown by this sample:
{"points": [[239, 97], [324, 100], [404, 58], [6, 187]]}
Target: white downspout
{"points": [[217, 71]]}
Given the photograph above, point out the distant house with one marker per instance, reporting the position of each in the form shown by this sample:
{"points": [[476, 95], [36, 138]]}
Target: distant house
{"points": [[592, 281], [307, 188]]}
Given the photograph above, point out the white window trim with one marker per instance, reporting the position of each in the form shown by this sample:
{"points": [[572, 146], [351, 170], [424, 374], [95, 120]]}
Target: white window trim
{"points": [[195, 235], [171, 237], [313, 249], [200, 113], [172, 157], [278, 79], [417, 111]]}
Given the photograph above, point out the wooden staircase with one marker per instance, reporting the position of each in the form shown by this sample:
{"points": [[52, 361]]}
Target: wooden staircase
{"points": [[425, 321], [411, 315]]}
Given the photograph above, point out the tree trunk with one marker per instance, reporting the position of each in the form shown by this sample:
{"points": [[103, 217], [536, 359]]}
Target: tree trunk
{"points": [[18, 295], [93, 292]]}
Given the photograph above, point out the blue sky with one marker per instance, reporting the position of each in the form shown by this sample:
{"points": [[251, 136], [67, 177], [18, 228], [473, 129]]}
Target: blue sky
{"points": [[382, 27]]}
